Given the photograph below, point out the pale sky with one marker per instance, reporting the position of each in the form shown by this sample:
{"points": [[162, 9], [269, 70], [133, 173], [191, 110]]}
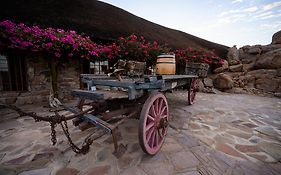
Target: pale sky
{"points": [[228, 22]]}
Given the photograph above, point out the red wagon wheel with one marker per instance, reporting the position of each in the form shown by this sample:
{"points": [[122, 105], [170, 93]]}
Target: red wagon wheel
{"points": [[153, 123], [192, 91]]}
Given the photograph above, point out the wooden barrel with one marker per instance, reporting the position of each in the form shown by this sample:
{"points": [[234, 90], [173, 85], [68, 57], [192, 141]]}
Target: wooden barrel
{"points": [[166, 65]]}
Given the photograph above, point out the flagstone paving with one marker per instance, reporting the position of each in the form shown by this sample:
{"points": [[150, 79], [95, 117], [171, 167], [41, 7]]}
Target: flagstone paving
{"points": [[219, 134]]}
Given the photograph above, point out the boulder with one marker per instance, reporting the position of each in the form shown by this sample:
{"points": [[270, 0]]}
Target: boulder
{"points": [[232, 55], [211, 90], [263, 73], [276, 38], [218, 70], [208, 82], [236, 68], [236, 91], [233, 62], [225, 65], [269, 60], [222, 68], [254, 50], [270, 47], [200, 86], [248, 67], [245, 48], [266, 80], [247, 58], [278, 72], [268, 85], [235, 74], [223, 81]]}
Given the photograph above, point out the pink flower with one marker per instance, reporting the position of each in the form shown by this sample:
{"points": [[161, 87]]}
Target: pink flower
{"points": [[75, 46], [48, 45], [57, 54], [155, 44], [8, 24], [133, 37], [94, 53]]}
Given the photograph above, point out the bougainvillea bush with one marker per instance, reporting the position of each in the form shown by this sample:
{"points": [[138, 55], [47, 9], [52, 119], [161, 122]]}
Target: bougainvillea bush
{"points": [[134, 48], [52, 41], [137, 48], [197, 56], [61, 43]]}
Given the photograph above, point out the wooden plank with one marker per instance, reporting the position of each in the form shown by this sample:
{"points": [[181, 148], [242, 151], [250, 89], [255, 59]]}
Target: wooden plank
{"points": [[94, 76], [114, 83], [84, 125], [74, 110], [113, 94], [109, 115], [174, 77], [97, 122], [90, 95]]}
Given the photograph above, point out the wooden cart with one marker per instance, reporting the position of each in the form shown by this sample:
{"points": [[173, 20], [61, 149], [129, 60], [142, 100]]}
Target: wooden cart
{"points": [[142, 98]]}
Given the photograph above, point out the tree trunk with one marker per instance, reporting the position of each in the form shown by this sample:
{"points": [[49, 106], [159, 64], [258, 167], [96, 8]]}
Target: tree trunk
{"points": [[54, 77]]}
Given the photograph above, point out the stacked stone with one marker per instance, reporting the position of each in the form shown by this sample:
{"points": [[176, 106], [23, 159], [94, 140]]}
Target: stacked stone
{"points": [[39, 85]]}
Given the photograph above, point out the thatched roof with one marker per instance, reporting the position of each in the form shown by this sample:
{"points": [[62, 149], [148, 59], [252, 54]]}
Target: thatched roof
{"points": [[100, 20]]}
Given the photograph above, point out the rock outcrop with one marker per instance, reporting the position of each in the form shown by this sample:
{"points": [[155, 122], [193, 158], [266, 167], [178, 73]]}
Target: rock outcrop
{"points": [[269, 60], [276, 38], [254, 69], [236, 68], [233, 56]]}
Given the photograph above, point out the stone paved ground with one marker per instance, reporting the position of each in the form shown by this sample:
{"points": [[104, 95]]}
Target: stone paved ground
{"points": [[219, 134]]}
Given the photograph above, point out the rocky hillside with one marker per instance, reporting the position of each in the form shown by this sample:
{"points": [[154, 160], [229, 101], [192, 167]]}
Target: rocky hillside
{"points": [[255, 69], [102, 21]]}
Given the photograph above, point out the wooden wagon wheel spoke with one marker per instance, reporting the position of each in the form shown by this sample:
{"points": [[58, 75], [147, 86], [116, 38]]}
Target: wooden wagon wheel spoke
{"points": [[150, 134], [192, 91], [149, 126], [156, 139], [152, 139], [150, 117], [160, 106], [160, 133], [153, 123], [163, 109], [153, 111], [156, 107]]}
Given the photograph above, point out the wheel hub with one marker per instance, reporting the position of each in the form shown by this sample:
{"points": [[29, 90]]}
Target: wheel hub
{"points": [[162, 123]]}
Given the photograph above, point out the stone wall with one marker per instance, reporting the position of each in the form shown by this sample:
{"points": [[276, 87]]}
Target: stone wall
{"points": [[39, 85]]}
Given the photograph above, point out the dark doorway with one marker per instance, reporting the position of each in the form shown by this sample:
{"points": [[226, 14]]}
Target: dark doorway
{"points": [[12, 73]]}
